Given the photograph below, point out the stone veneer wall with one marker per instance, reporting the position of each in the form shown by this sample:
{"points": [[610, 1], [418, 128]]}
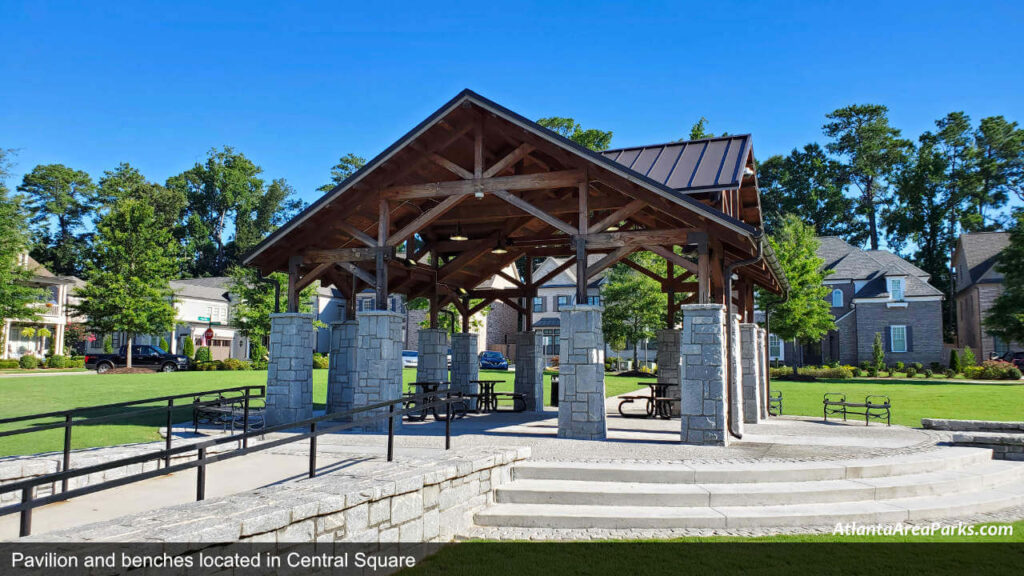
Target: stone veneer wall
{"points": [[749, 361], [702, 405], [670, 363], [762, 361], [735, 395], [426, 500], [290, 371], [529, 375], [379, 364], [581, 413], [342, 367], [432, 363], [465, 365]]}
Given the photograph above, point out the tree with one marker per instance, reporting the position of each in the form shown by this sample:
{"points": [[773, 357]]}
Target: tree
{"points": [[878, 353], [253, 301], [266, 212], [17, 297], [596, 140], [126, 182], [804, 316], [699, 131], [128, 288], [999, 157], [189, 348], [870, 150], [809, 184], [346, 166], [58, 199], [1005, 318], [634, 304]]}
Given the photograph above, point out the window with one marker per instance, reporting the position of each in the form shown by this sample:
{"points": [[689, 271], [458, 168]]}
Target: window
{"points": [[896, 289], [898, 338], [837, 298], [774, 347], [999, 346], [594, 300], [562, 301], [538, 304]]}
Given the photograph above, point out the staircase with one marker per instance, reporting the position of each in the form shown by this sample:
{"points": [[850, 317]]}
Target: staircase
{"points": [[948, 482]]}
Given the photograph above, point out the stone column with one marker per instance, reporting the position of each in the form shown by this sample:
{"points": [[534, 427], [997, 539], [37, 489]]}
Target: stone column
{"points": [[341, 370], [762, 372], [581, 374], [736, 378], [702, 405], [290, 370], [432, 348], [751, 367], [529, 376], [670, 363], [465, 365], [378, 364]]}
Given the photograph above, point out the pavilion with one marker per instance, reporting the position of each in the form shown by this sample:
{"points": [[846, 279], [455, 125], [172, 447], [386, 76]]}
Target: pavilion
{"points": [[476, 187]]}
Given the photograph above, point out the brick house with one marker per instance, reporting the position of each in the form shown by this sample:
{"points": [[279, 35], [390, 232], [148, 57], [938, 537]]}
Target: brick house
{"points": [[872, 291], [978, 284]]}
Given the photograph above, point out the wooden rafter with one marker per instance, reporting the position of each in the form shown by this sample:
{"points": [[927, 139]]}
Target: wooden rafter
{"points": [[536, 212], [539, 181]]}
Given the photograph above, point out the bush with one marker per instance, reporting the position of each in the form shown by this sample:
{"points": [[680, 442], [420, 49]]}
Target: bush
{"points": [[203, 354], [75, 362], [998, 370], [878, 352], [899, 367], [234, 364], [28, 362], [56, 361], [974, 372], [211, 366], [911, 371], [936, 367], [865, 365], [9, 364], [873, 372], [949, 373], [954, 361], [108, 345], [928, 373], [838, 373], [189, 348], [857, 372], [968, 360], [163, 344], [1013, 373], [777, 372], [320, 362]]}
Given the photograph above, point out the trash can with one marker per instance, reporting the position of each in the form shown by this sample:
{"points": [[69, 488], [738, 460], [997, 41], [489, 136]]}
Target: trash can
{"points": [[554, 390]]}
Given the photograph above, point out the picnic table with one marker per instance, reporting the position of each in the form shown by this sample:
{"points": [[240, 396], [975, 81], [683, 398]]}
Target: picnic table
{"points": [[487, 400], [658, 402], [431, 389]]}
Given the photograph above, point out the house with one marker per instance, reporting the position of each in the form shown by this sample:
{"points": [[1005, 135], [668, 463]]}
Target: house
{"points": [[978, 284], [872, 291], [557, 293], [54, 314]]}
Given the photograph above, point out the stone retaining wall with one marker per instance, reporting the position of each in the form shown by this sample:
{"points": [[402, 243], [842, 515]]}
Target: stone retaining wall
{"points": [[1003, 446], [971, 425], [414, 500]]}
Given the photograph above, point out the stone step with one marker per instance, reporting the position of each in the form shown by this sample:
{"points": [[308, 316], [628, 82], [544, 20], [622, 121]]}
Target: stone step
{"points": [[947, 458], [575, 492], [723, 517]]}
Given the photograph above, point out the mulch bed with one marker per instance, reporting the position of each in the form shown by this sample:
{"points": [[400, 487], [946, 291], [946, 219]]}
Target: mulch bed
{"points": [[130, 371]]}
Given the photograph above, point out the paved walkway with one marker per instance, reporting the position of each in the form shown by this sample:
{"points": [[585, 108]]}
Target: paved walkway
{"points": [[45, 373]]}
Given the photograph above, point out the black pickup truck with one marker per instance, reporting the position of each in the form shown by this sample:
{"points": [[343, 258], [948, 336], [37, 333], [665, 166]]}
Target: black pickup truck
{"points": [[143, 356]]}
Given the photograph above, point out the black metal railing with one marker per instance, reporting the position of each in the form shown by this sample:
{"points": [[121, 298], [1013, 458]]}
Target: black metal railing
{"points": [[421, 402], [243, 394]]}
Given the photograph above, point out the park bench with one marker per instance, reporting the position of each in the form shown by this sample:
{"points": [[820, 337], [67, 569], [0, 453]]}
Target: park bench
{"points": [[655, 405], [874, 406], [775, 403], [226, 412], [518, 400]]}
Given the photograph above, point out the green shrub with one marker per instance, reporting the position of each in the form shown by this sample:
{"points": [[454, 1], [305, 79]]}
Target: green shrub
{"points": [[968, 360], [163, 344], [56, 361], [999, 370], [108, 345], [203, 354], [839, 373], [75, 362], [857, 372], [949, 373], [9, 364], [865, 366], [974, 372], [234, 364], [936, 366], [878, 352], [780, 372], [899, 367], [1013, 373], [954, 362], [911, 371], [873, 372], [928, 373], [257, 352], [28, 362], [189, 348], [320, 361], [210, 366]]}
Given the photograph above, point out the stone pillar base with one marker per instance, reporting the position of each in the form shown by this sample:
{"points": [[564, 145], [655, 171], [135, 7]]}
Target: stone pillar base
{"points": [[465, 365], [432, 355], [581, 413], [736, 379], [751, 367], [341, 371], [529, 376], [762, 373], [702, 347], [379, 364], [290, 370], [670, 363]]}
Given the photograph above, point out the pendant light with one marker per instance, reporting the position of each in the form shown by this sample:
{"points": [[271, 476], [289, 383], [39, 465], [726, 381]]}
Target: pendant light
{"points": [[458, 236]]}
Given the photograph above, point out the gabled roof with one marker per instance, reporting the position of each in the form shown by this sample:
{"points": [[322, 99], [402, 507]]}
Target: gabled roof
{"points": [[567, 277], [690, 166], [849, 262], [211, 288], [981, 251]]}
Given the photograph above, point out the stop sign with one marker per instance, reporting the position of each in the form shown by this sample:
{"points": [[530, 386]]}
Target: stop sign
{"points": [[208, 335]]}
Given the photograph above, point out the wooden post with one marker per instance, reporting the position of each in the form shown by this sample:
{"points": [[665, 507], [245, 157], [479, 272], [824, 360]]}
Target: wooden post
{"points": [[433, 294], [581, 244], [703, 273], [382, 270], [294, 262], [350, 306], [531, 294], [671, 313], [465, 314]]}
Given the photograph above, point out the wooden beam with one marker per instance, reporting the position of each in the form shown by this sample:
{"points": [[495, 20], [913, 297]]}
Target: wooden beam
{"points": [[561, 268], [383, 228], [644, 271], [449, 165], [294, 264], [582, 273], [424, 220], [510, 159], [478, 149], [515, 306], [357, 272], [479, 248], [480, 306], [341, 255], [671, 256], [536, 212], [511, 279], [356, 233], [311, 276], [617, 216], [637, 238], [541, 181], [605, 262]]}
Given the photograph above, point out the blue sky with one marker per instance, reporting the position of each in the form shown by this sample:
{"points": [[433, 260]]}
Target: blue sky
{"points": [[294, 85]]}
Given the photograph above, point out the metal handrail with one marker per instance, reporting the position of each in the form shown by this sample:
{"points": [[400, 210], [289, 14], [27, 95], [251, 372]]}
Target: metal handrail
{"points": [[28, 503]]}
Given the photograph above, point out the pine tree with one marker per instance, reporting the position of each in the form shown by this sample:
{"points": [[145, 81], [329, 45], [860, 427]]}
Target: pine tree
{"points": [[1006, 317], [17, 297], [128, 288], [189, 349], [878, 352]]}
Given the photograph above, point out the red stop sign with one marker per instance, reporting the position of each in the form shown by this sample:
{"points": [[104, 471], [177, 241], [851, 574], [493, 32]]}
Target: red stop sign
{"points": [[208, 335]]}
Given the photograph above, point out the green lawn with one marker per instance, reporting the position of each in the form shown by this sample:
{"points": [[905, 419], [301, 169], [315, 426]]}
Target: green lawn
{"points": [[911, 401], [19, 396]]}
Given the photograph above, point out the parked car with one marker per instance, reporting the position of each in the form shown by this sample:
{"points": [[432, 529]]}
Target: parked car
{"points": [[1015, 358], [492, 360], [142, 357], [410, 358]]}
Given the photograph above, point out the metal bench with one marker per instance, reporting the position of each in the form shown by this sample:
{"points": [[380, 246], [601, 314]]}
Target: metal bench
{"points": [[229, 413], [874, 406], [775, 403], [518, 400]]}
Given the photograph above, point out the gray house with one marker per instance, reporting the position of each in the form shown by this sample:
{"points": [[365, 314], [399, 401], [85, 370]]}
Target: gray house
{"points": [[872, 291], [978, 284]]}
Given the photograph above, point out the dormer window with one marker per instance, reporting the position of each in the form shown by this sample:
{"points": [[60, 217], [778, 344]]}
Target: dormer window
{"points": [[896, 286], [837, 298]]}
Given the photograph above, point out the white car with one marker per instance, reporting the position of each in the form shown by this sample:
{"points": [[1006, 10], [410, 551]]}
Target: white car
{"points": [[410, 358]]}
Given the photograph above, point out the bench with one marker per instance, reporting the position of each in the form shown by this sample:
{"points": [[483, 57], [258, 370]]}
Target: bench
{"points": [[775, 403], [874, 406], [518, 400], [660, 405], [228, 413]]}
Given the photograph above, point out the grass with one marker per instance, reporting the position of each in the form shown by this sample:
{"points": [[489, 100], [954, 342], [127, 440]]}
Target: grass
{"points": [[20, 396], [911, 400]]}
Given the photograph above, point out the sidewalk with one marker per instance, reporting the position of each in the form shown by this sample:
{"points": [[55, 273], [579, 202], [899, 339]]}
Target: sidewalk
{"points": [[44, 373]]}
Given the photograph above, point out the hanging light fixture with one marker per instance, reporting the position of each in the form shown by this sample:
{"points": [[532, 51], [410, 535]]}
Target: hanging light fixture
{"points": [[500, 247], [458, 236], [612, 229]]}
